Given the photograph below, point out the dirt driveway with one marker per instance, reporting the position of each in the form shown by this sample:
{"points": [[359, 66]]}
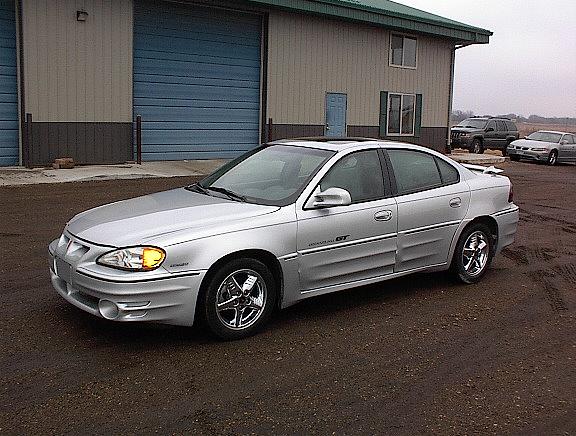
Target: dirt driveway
{"points": [[415, 355]]}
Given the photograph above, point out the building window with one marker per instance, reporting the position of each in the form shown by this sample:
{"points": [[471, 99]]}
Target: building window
{"points": [[401, 109], [402, 51]]}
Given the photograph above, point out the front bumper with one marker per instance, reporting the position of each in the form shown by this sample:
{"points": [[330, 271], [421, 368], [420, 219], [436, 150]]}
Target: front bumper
{"points": [[168, 299], [528, 154], [460, 141]]}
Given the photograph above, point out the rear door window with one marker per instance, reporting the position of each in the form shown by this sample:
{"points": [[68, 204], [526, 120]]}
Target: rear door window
{"points": [[414, 171], [501, 126]]}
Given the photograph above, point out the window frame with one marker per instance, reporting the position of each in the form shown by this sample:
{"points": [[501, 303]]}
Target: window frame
{"points": [[392, 174], [384, 170], [403, 36], [389, 106]]}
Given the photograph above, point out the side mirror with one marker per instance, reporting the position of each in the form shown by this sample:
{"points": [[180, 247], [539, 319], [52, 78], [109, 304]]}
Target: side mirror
{"points": [[329, 198], [490, 129], [563, 142]]}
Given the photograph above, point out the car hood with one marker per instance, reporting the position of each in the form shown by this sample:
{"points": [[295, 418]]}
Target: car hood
{"points": [[134, 221], [465, 129], [532, 143]]}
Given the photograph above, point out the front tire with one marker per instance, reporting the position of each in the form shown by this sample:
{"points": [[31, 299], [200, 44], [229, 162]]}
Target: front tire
{"points": [[552, 158], [514, 157], [473, 253], [239, 299], [477, 146]]}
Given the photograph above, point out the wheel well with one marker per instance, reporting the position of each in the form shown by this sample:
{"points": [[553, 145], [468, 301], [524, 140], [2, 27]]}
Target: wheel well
{"points": [[479, 138], [488, 221], [263, 256]]}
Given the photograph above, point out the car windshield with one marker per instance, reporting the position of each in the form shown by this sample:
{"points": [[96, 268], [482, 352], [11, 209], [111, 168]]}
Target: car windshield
{"points": [[545, 136], [469, 122], [273, 175]]}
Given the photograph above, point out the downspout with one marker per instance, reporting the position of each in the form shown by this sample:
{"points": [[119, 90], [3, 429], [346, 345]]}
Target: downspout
{"points": [[451, 92]]}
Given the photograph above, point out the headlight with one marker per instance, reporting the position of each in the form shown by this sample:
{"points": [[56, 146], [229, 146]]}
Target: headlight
{"points": [[133, 258], [539, 149]]}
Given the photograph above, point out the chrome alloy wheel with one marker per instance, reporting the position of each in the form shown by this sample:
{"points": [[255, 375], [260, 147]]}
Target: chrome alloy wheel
{"points": [[475, 253], [241, 299]]}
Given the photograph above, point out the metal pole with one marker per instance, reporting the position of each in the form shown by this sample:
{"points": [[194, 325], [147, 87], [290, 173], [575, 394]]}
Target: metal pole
{"points": [[270, 125], [27, 142], [139, 139]]}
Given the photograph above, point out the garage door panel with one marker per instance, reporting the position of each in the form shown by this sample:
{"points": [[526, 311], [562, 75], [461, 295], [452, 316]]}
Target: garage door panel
{"points": [[195, 33], [200, 92], [149, 53], [201, 126], [207, 104], [154, 113], [190, 69], [190, 155], [196, 80], [158, 78], [194, 47], [175, 16], [201, 136]]}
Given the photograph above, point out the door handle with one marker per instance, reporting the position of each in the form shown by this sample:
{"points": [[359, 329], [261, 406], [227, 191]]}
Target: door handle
{"points": [[383, 215], [455, 202]]}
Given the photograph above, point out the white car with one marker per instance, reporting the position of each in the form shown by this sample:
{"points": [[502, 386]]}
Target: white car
{"points": [[287, 221]]}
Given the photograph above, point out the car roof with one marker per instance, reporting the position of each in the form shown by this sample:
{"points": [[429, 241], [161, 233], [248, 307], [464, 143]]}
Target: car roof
{"points": [[339, 144]]}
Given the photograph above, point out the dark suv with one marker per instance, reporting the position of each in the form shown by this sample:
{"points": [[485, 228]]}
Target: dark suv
{"points": [[480, 133]]}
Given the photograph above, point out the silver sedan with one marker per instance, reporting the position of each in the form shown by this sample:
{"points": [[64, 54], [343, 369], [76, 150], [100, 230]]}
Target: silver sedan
{"points": [[545, 146], [285, 222]]}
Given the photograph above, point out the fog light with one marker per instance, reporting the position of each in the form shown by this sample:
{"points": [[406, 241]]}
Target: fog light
{"points": [[108, 309]]}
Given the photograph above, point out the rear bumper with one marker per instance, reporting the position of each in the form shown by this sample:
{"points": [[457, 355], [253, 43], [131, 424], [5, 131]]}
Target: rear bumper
{"points": [[168, 300], [507, 221]]}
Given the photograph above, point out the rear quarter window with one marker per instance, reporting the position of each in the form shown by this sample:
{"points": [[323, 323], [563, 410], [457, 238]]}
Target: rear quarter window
{"points": [[449, 174], [511, 126]]}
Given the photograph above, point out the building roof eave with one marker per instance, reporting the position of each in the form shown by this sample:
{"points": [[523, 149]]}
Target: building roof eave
{"points": [[387, 14]]}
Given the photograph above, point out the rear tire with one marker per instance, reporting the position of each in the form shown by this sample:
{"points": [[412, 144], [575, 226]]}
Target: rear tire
{"points": [[552, 158], [239, 299], [473, 253], [477, 146]]}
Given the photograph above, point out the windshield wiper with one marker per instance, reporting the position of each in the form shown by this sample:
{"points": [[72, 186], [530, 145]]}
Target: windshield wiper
{"points": [[231, 194], [198, 188]]}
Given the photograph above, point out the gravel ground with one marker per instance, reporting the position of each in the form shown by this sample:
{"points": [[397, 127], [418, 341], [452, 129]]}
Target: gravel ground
{"points": [[415, 355]]}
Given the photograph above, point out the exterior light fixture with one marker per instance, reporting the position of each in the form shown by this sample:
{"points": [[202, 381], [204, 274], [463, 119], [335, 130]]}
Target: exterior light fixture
{"points": [[81, 15]]}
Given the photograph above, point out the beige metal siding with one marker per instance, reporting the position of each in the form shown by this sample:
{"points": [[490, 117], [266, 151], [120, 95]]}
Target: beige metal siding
{"points": [[309, 56], [78, 71]]}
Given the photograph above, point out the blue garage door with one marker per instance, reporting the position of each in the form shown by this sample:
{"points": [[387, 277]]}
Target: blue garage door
{"points": [[196, 81], [8, 85]]}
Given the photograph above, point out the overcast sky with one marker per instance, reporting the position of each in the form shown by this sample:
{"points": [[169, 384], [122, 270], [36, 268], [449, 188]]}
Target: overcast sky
{"points": [[529, 67]]}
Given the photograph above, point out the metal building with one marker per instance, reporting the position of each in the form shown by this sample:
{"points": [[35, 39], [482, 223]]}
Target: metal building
{"points": [[207, 76]]}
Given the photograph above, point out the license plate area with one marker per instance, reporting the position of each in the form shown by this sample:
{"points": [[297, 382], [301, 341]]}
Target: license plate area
{"points": [[63, 270]]}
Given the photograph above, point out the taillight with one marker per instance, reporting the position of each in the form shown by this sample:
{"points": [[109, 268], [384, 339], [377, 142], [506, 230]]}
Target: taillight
{"points": [[511, 194]]}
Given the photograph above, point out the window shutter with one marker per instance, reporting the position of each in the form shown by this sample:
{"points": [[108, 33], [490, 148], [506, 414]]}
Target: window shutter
{"points": [[383, 113], [418, 116]]}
